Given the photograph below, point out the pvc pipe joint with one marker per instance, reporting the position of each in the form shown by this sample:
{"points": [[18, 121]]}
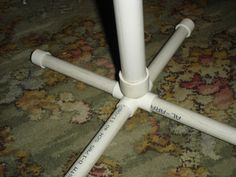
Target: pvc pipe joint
{"points": [[130, 103], [116, 92], [144, 102], [38, 56], [188, 24], [135, 89]]}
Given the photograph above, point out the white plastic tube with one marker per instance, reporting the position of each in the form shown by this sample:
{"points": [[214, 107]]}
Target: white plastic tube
{"points": [[197, 121], [45, 59], [183, 30], [129, 22], [99, 143]]}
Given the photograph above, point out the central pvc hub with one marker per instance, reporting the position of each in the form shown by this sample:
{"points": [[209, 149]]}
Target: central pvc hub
{"points": [[134, 89]]}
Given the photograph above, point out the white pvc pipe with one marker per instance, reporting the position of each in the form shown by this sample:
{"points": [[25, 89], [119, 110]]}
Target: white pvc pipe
{"points": [[129, 22], [99, 143], [183, 30], [44, 59], [197, 121]]}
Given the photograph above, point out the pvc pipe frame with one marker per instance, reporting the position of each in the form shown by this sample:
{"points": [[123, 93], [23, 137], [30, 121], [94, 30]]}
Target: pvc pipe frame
{"points": [[129, 103], [127, 106]]}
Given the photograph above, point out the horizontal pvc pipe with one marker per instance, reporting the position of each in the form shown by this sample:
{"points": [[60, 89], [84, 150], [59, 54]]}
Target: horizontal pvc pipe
{"points": [[99, 143], [183, 30], [197, 121], [129, 22], [44, 59]]}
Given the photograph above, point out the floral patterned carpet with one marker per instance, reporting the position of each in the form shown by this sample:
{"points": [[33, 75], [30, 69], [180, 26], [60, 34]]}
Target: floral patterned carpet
{"points": [[46, 119]]}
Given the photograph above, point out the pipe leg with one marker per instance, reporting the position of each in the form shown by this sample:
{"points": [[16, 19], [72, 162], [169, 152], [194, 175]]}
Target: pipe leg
{"points": [[183, 30], [45, 59], [99, 143], [195, 120]]}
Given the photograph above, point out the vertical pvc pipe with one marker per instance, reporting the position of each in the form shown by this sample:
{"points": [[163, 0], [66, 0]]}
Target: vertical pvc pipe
{"points": [[99, 143], [195, 120], [183, 30], [129, 22]]}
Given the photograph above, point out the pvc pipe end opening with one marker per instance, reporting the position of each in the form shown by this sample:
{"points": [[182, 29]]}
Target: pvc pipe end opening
{"points": [[188, 24], [38, 56]]}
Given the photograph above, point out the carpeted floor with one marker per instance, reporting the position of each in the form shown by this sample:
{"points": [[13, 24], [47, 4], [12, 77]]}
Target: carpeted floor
{"points": [[46, 119]]}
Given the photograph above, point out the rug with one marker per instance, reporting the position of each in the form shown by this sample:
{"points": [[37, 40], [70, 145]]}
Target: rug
{"points": [[47, 119]]}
